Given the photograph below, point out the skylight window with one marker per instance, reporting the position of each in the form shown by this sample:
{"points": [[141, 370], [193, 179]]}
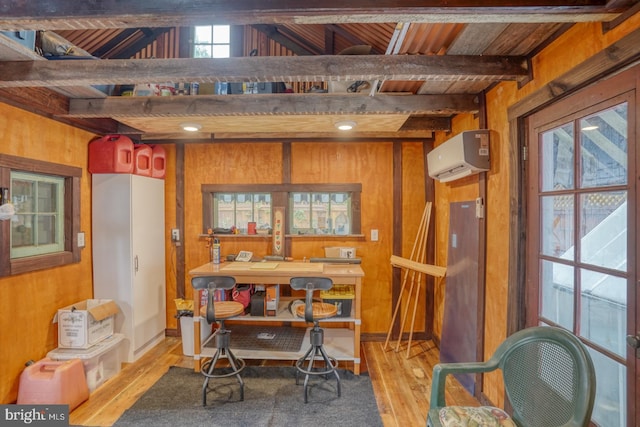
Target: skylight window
{"points": [[211, 41]]}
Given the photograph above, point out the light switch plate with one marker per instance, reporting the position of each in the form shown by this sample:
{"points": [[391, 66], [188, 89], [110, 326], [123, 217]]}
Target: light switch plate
{"points": [[81, 239], [374, 235]]}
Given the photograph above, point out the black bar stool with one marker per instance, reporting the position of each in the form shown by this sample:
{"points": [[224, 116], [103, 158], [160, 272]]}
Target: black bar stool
{"points": [[218, 311], [313, 312]]}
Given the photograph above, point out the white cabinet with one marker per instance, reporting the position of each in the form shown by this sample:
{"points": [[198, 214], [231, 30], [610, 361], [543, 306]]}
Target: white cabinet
{"points": [[128, 255]]}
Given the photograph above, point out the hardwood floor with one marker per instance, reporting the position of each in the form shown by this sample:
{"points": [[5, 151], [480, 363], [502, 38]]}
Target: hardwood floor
{"points": [[401, 385]]}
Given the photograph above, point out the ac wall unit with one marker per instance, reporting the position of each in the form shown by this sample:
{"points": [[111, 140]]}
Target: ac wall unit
{"points": [[465, 154]]}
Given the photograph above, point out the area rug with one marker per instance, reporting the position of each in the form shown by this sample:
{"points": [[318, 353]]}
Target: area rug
{"points": [[271, 399], [265, 338]]}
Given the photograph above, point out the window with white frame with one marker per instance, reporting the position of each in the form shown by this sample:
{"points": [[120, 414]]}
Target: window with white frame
{"points": [[43, 231], [38, 226], [212, 41]]}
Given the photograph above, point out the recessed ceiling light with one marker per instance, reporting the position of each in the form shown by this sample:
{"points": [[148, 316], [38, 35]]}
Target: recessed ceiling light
{"points": [[191, 127], [345, 124]]}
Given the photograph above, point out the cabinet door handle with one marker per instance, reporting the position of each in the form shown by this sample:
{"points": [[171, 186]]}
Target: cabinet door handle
{"points": [[135, 263]]}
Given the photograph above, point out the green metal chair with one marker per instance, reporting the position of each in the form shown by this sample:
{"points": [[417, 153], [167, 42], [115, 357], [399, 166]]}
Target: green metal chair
{"points": [[548, 376]]}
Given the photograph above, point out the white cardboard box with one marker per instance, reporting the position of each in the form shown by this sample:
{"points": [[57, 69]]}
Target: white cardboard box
{"points": [[85, 323], [101, 361]]}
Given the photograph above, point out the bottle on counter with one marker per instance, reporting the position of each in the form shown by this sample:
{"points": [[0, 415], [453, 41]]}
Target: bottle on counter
{"points": [[216, 251]]}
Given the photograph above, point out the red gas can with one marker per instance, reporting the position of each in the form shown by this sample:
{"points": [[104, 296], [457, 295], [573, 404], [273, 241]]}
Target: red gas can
{"points": [[142, 160], [111, 154], [158, 158]]}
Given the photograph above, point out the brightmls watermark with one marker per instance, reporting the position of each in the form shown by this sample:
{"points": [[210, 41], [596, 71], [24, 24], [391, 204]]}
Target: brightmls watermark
{"points": [[34, 415]]}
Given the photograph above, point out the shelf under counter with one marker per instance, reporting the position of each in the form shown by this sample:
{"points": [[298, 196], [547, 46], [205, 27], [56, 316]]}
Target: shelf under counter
{"points": [[338, 342], [283, 314]]}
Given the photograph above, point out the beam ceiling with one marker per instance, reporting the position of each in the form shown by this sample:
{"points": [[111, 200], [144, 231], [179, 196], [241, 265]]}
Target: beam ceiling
{"points": [[71, 14]]}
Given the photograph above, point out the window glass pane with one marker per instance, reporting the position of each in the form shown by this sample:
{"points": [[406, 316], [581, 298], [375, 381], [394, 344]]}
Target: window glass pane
{"points": [[262, 210], [557, 226], [202, 34], [603, 229], [202, 51], [38, 226], [221, 34], [556, 293], [300, 212], [320, 213], [219, 51], [556, 158], [603, 148], [237, 209], [603, 319], [22, 231], [611, 391]]}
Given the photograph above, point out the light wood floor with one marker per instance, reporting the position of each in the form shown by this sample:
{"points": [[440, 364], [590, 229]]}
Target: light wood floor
{"points": [[401, 384]]}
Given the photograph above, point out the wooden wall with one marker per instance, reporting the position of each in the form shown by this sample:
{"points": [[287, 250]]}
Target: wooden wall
{"points": [[30, 301], [370, 164], [582, 41]]}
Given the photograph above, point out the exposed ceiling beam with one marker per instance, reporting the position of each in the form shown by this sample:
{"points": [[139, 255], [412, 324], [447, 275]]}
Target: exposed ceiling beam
{"points": [[71, 14], [275, 105], [262, 69]]}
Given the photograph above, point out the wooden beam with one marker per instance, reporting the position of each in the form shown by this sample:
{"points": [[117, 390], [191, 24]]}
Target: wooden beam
{"points": [[274, 104], [427, 123], [263, 69], [72, 15], [432, 270]]}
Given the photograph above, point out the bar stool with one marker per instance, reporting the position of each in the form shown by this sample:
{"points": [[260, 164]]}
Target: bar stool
{"points": [[218, 311], [313, 312]]}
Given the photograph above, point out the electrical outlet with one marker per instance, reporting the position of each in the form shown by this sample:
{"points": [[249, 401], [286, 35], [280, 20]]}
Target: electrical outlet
{"points": [[175, 235], [374, 235]]}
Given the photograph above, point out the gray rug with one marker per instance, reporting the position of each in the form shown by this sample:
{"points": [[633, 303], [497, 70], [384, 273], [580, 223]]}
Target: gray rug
{"points": [[271, 399]]}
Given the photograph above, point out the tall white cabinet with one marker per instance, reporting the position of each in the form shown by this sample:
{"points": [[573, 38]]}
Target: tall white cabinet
{"points": [[128, 256]]}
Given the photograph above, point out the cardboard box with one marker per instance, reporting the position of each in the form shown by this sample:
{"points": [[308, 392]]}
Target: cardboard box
{"points": [[339, 252], [85, 323], [272, 299]]}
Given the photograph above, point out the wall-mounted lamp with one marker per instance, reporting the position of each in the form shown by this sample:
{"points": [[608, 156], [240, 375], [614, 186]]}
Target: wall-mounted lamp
{"points": [[191, 127], [345, 124]]}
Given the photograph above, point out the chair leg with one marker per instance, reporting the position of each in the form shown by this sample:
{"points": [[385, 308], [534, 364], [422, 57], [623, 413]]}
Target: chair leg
{"points": [[237, 365], [316, 352]]}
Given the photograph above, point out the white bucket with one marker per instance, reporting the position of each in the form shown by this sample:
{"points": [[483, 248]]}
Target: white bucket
{"points": [[186, 326]]}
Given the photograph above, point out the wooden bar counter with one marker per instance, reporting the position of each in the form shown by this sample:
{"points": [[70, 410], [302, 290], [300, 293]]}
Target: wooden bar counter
{"points": [[341, 343]]}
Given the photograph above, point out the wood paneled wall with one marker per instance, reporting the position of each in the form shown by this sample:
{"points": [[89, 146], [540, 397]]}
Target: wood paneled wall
{"points": [[30, 301]]}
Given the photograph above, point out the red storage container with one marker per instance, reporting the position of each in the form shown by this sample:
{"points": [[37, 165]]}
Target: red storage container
{"points": [[111, 154], [49, 382], [142, 160], [158, 158]]}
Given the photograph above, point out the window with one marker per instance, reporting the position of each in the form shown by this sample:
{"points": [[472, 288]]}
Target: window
{"points": [[46, 197], [212, 41], [310, 209], [320, 213], [238, 209], [38, 225]]}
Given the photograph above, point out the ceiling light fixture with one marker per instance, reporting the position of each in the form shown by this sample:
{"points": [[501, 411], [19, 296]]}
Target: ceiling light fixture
{"points": [[346, 124], [191, 127]]}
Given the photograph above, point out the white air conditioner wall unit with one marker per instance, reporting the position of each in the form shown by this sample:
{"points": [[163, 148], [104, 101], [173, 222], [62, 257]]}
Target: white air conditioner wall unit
{"points": [[465, 154]]}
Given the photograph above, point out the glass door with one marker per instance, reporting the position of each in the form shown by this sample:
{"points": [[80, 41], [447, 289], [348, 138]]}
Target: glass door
{"points": [[581, 222]]}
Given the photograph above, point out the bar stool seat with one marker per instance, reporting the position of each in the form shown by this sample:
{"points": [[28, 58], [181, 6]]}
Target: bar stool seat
{"points": [[224, 309], [321, 310]]}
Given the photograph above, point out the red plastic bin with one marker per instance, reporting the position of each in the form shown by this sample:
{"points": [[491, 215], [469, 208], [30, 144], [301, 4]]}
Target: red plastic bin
{"points": [[54, 383], [142, 160], [111, 154], [158, 160]]}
